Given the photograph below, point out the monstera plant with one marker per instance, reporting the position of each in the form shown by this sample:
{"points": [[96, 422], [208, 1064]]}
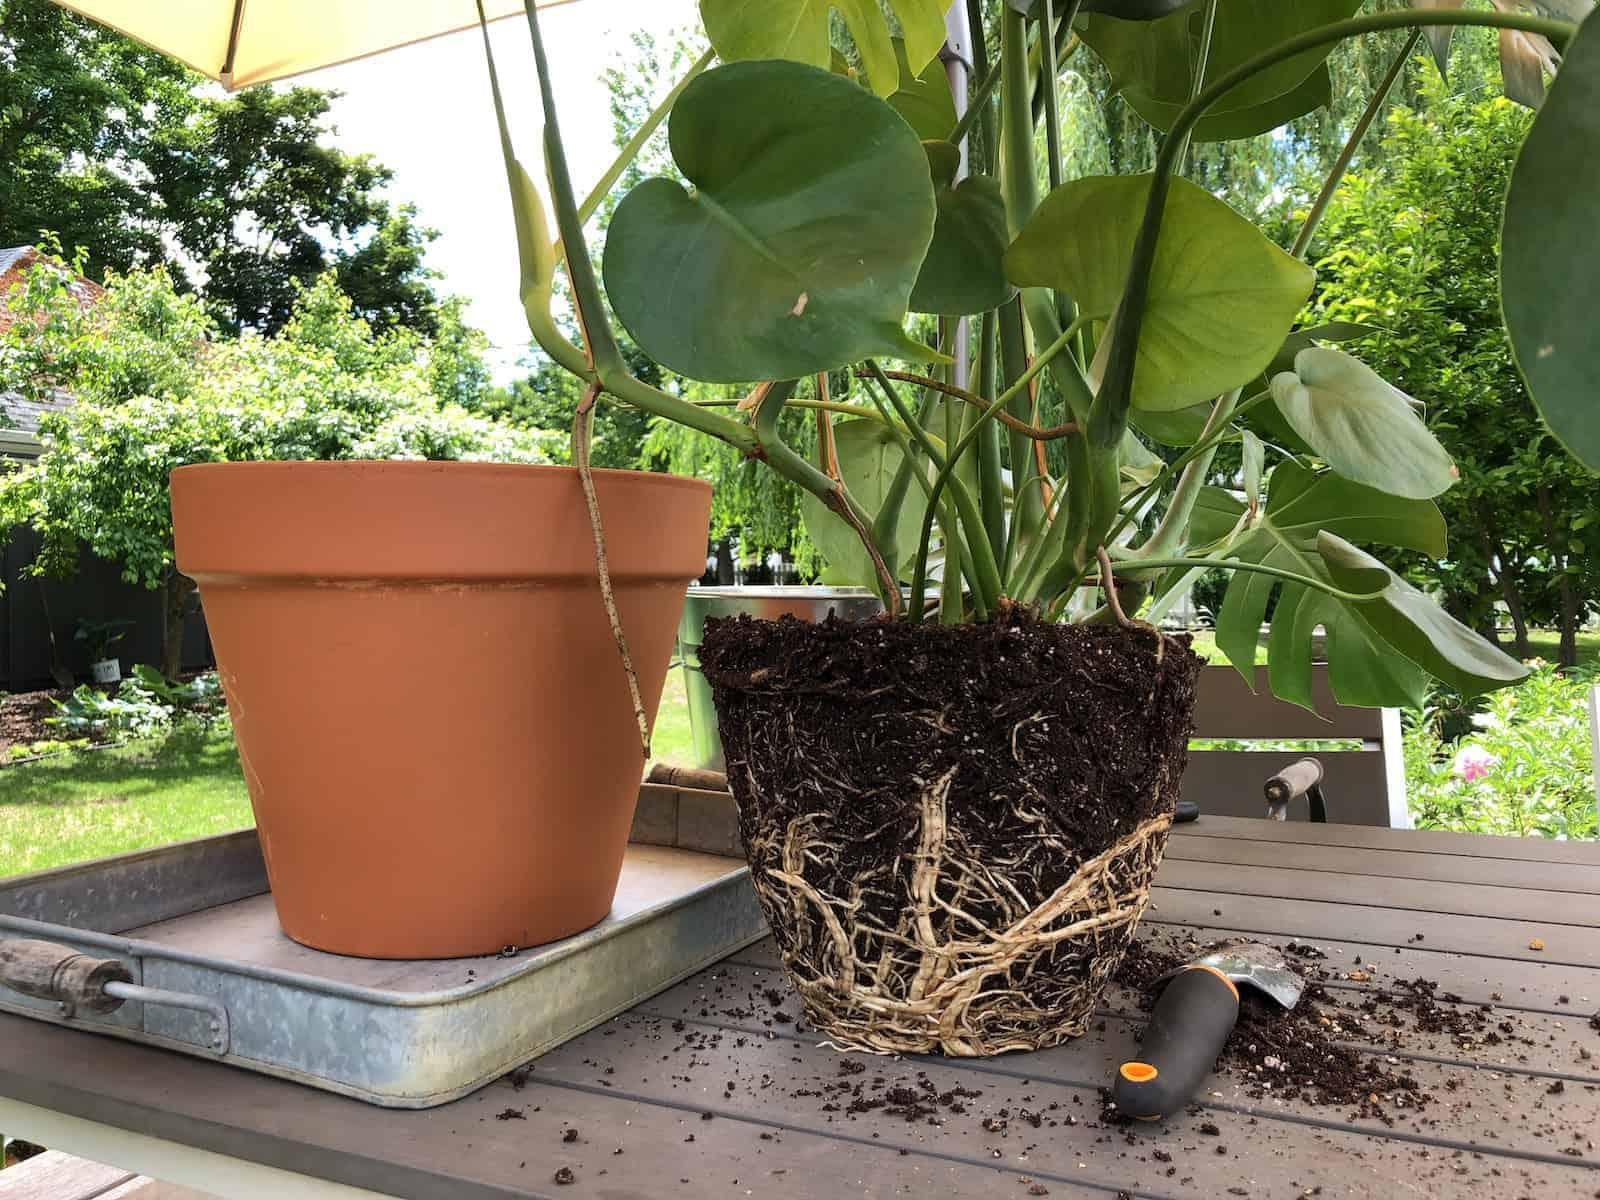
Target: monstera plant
{"points": [[1021, 381]]}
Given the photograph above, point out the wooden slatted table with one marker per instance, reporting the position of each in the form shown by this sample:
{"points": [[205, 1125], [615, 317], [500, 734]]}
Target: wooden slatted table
{"points": [[702, 1090]]}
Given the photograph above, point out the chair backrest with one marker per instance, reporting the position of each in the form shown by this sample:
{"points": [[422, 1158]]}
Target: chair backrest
{"points": [[1363, 787], [1594, 740]]}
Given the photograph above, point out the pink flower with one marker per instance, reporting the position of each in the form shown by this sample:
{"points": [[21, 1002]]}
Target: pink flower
{"points": [[1473, 763]]}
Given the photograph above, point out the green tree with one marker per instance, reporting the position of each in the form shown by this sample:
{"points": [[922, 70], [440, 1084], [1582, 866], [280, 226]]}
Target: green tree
{"points": [[1414, 250], [157, 386], [126, 154]]}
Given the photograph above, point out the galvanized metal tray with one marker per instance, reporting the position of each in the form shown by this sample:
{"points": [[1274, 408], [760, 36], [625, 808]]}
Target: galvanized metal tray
{"points": [[211, 974]]}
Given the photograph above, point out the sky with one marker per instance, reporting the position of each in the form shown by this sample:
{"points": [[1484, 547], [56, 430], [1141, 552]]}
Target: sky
{"points": [[425, 111]]}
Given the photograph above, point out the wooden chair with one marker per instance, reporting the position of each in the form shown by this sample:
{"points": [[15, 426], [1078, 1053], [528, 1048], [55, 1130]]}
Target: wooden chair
{"points": [[1362, 787], [1594, 739], [56, 1176]]}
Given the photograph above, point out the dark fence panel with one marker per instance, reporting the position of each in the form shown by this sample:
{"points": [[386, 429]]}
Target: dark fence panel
{"points": [[32, 609]]}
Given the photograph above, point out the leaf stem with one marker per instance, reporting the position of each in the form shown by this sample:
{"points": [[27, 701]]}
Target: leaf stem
{"points": [[1173, 531], [1234, 564], [832, 492], [630, 151], [1308, 228], [947, 468], [985, 571], [981, 95], [1005, 418]]}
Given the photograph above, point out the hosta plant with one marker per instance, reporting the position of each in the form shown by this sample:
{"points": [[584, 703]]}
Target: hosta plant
{"points": [[1021, 381]]}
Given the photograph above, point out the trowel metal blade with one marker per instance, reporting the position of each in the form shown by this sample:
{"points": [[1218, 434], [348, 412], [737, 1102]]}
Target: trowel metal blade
{"points": [[1256, 965]]}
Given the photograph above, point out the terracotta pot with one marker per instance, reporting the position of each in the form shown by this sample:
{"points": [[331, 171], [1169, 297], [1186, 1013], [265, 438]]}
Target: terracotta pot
{"points": [[432, 718]]}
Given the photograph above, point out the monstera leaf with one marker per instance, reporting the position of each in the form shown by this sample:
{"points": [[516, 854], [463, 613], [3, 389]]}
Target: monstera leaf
{"points": [[1415, 625], [869, 456], [1380, 650], [963, 272], [1221, 299], [795, 248], [1549, 267], [798, 30], [1361, 426], [1150, 62]]}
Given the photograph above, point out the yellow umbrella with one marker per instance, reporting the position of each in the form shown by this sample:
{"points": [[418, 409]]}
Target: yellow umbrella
{"points": [[244, 42]]}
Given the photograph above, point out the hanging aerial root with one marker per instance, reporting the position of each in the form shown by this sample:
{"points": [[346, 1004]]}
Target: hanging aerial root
{"points": [[582, 427]]}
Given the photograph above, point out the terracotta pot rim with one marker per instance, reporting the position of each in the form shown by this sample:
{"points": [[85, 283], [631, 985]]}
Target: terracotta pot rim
{"points": [[411, 466]]}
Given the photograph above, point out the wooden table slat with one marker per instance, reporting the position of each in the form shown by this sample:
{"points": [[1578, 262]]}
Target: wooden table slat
{"points": [[1431, 841], [1381, 891], [1483, 937], [1399, 864]]}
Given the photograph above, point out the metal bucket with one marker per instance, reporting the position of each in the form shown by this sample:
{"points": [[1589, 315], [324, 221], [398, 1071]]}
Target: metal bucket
{"points": [[808, 603]]}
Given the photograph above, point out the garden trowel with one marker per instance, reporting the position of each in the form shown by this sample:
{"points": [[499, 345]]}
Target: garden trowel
{"points": [[1191, 1021]]}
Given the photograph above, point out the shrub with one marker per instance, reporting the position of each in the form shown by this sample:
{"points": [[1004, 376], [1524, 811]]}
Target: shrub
{"points": [[145, 705], [1526, 768]]}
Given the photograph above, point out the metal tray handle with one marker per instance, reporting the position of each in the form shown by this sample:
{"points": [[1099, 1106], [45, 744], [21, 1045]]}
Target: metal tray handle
{"points": [[77, 983]]}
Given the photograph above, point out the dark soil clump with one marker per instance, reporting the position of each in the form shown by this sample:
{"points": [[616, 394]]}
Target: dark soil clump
{"points": [[25, 716], [1079, 719], [927, 786]]}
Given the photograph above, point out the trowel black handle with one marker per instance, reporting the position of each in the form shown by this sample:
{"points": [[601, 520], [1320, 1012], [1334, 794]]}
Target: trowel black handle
{"points": [[1191, 1020]]}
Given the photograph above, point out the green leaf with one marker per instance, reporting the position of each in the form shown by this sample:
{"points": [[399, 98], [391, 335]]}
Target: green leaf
{"points": [[1550, 259], [1222, 296], [1363, 427], [797, 245], [1138, 466], [1134, 10], [964, 271], [535, 254], [797, 30], [1150, 62], [1181, 427], [1312, 93], [535, 248], [924, 100], [1301, 503], [1301, 339], [1416, 626], [1253, 455], [1301, 508], [1265, 419], [869, 456], [1127, 10]]}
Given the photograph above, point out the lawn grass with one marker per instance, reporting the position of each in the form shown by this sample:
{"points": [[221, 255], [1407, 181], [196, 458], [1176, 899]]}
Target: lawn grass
{"points": [[671, 741], [78, 806]]}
